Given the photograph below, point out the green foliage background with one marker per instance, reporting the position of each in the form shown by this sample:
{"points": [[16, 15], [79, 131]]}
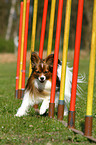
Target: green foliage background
{"points": [[86, 27]]}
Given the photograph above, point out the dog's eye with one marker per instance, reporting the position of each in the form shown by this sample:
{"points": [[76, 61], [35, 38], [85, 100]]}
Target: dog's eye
{"points": [[37, 72], [46, 72]]}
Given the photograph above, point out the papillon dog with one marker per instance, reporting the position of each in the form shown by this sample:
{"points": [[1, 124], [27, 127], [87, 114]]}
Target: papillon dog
{"points": [[38, 86]]}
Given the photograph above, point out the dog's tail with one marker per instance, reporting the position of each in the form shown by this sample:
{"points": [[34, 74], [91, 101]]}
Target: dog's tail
{"points": [[81, 80], [68, 82]]}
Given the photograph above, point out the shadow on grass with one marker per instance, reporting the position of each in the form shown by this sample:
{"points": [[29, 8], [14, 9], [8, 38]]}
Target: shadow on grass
{"points": [[36, 113], [82, 124]]}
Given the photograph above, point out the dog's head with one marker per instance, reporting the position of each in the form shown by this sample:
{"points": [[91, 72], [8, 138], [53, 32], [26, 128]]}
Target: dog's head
{"points": [[42, 69]]}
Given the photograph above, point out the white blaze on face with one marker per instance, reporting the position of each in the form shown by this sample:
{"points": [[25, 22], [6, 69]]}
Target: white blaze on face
{"points": [[42, 65], [42, 77]]}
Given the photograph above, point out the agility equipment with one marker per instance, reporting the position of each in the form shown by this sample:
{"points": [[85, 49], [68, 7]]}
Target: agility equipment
{"points": [[71, 118], [22, 45], [64, 61], [42, 33], [25, 48], [22, 48], [21, 59], [33, 32], [43, 28], [56, 52], [88, 117], [19, 50], [51, 25]]}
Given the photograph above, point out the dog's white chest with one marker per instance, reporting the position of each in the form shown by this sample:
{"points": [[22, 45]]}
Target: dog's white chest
{"points": [[43, 86]]}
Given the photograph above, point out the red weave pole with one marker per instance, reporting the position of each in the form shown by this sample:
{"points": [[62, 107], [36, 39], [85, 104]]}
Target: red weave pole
{"points": [[56, 52], [76, 54], [25, 45], [43, 28], [19, 46]]}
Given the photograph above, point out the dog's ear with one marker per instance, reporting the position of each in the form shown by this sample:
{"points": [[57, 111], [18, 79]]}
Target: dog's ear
{"points": [[50, 59], [34, 59]]}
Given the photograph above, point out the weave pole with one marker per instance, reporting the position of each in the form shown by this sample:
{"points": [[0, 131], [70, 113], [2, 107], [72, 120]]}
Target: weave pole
{"points": [[43, 28], [56, 52], [51, 25], [71, 117], [88, 117], [42, 35], [22, 46], [25, 47], [19, 50], [64, 61], [33, 32]]}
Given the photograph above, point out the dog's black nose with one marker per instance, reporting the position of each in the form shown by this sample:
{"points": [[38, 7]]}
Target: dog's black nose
{"points": [[42, 78]]}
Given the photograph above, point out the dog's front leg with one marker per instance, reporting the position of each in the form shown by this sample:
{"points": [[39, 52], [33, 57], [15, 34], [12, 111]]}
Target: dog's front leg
{"points": [[27, 101], [44, 106]]}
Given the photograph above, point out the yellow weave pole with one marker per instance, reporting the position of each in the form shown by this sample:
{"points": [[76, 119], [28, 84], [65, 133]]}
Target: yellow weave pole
{"points": [[33, 31], [50, 36], [22, 43], [92, 65], [64, 60], [65, 49], [88, 117]]}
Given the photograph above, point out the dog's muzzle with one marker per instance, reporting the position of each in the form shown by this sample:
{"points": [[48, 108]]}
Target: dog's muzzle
{"points": [[42, 78]]}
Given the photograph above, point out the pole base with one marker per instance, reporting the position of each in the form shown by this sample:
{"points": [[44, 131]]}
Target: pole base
{"points": [[22, 93], [19, 94], [60, 111], [88, 126], [16, 94], [71, 119], [51, 110]]}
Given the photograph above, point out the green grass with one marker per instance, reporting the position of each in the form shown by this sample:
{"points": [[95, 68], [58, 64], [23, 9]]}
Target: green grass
{"points": [[35, 129]]}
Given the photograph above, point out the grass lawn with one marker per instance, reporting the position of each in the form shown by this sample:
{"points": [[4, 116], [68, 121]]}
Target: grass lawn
{"points": [[35, 129]]}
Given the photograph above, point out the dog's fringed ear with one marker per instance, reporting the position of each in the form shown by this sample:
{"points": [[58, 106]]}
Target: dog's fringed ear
{"points": [[50, 59], [34, 59]]}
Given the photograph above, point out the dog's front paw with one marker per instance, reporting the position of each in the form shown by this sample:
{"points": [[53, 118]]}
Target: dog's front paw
{"points": [[42, 111], [20, 113]]}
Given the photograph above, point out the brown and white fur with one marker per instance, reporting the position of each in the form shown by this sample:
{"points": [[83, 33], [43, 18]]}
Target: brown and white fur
{"points": [[38, 86]]}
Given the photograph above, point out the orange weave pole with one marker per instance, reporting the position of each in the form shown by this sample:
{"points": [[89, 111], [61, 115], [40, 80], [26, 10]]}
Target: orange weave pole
{"points": [[19, 50], [25, 46], [76, 54], [43, 28], [56, 52], [54, 75]]}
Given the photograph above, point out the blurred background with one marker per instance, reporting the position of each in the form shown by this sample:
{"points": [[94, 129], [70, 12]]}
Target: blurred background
{"points": [[9, 25]]}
